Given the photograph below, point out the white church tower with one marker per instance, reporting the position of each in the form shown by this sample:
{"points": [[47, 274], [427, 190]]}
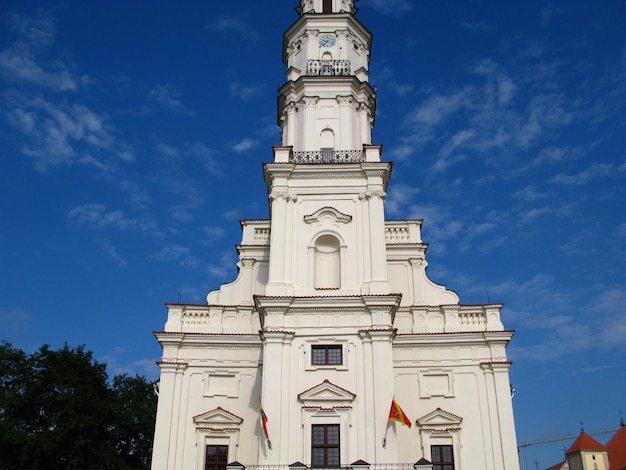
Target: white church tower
{"points": [[332, 316]]}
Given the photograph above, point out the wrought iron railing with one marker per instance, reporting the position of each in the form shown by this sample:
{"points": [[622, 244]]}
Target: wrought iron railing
{"points": [[327, 156], [327, 67], [375, 466]]}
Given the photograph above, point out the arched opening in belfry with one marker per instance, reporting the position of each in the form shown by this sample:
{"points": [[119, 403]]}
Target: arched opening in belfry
{"points": [[328, 6], [327, 144], [327, 64], [327, 263]]}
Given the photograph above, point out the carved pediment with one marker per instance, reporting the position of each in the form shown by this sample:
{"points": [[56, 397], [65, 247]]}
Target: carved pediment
{"points": [[326, 393], [327, 212], [218, 417], [439, 419]]}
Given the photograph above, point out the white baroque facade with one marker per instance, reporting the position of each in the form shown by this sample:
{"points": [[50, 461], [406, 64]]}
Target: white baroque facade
{"points": [[332, 314]]}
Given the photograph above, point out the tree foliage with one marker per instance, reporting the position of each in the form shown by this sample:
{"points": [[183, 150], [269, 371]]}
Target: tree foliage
{"points": [[58, 410]]}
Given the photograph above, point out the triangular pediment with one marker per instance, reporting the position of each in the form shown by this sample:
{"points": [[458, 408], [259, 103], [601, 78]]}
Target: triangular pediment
{"points": [[327, 212], [327, 393], [439, 418], [218, 417]]}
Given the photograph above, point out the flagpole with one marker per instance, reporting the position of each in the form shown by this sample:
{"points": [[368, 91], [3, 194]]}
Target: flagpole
{"points": [[385, 438], [387, 427]]}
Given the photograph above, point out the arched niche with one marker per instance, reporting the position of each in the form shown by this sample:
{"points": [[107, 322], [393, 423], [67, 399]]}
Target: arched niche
{"points": [[327, 262], [327, 144]]}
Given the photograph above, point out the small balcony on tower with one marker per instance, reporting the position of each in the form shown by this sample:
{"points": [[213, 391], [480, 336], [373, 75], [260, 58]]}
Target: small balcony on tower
{"points": [[327, 67], [327, 156]]}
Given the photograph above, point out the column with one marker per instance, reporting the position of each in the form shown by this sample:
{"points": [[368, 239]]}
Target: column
{"points": [[167, 424], [345, 124], [278, 236], [365, 130], [273, 398], [379, 283]]}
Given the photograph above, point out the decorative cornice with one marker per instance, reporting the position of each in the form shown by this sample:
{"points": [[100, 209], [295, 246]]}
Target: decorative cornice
{"points": [[331, 211]]}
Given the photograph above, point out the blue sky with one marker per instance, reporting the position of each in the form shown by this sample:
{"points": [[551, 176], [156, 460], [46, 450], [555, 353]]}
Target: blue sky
{"points": [[132, 136]]}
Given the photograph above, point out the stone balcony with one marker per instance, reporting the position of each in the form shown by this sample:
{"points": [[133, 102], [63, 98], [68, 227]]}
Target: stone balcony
{"points": [[321, 67], [327, 156]]}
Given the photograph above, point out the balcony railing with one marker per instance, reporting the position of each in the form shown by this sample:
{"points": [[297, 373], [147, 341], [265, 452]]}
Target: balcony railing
{"points": [[327, 67], [375, 466], [327, 156]]}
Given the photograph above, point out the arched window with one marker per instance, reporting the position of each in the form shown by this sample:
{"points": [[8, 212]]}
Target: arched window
{"points": [[327, 64], [327, 144], [327, 263]]}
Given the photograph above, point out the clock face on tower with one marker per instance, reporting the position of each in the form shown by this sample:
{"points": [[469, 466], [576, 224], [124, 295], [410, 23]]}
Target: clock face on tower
{"points": [[327, 40]]}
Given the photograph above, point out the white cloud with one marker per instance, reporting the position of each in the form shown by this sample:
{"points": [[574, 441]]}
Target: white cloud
{"points": [[437, 108], [246, 92], [223, 268], [181, 214], [207, 156], [245, 145], [65, 134], [401, 90], [96, 216], [180, 255], [233, 24], [109, 249], [169, 97], [232, 214], [167, 150], [213, 233], [596, 170], [530, 194], [476, 26], [399, 196], [24, 60]]}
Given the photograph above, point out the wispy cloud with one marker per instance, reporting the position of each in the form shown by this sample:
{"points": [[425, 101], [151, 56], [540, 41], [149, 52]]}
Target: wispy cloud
{"points": [[596, 170], [26, 60], [178, 254], [65, 134], [169, 97], [475, 26], [233, 24], [111, 251], [247, 92], [96, 216], [207, 156], [222, 268], [244, 145], [566, 325], [213, 233]]}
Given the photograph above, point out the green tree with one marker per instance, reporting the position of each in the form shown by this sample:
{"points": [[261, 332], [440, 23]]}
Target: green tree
{"points": [[59, 411], [134, 420]]}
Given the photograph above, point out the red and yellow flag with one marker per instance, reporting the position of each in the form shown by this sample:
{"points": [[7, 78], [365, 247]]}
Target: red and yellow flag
{"points": [[264, 420], [396, 414]]}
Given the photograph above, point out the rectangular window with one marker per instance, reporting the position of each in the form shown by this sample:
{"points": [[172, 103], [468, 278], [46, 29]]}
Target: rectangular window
{"points": [[442, 457], [216, 458], [327, 355], [325, 445], [328, 6]]}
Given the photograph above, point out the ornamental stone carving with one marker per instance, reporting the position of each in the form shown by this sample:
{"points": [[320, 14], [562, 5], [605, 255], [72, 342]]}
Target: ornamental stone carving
{"points": [[373, 194]]}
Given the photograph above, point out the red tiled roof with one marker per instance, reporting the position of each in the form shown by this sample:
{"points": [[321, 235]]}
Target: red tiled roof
{"points": [[584, 442], [617, 450]]}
